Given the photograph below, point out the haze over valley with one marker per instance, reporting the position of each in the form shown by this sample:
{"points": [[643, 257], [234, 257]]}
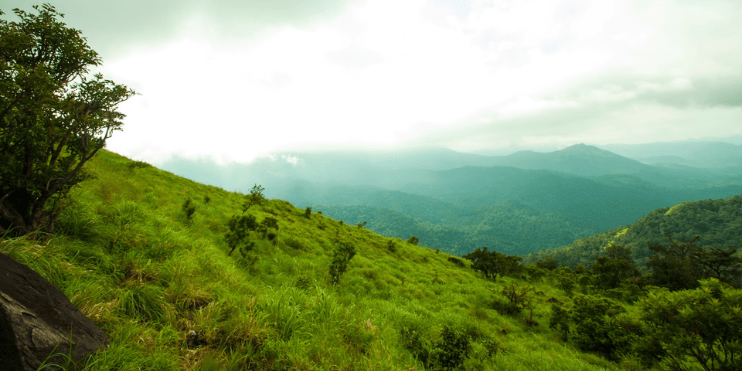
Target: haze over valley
{"points": [[517, 203]]}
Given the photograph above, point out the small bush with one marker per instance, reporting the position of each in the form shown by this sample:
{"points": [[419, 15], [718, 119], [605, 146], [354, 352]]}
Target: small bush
{"points": [[189, 208], [517, 299], [452, 348], [413, 240], [308, 212], [341, 257]]}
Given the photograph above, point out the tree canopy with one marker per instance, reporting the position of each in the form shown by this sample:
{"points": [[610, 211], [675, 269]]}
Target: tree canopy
{"points": [[53, 116]]}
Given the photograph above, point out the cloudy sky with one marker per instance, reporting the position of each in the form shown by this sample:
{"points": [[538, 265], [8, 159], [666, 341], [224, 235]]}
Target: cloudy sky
{"points": [[234, 79]]}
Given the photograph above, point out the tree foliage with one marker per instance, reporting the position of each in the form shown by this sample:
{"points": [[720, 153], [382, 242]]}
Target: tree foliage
{"points": [[53, 117], [492, 263], [255, 197], [599, 325], [239, 232], [674, 266], [704, 324], [344, 251], [615, 267]]}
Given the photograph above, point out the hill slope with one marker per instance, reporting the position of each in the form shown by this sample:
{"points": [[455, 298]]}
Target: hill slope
{"points": [[171, 298], [717, 222]]}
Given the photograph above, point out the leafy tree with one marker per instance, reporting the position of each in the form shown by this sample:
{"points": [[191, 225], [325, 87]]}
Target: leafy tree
{"points": [[720, 264], [599, 325], [413, 240], [53, 118], [674, 266], [566, 280], [255, 197], [340, 259], [547, 263], [239, 231], [613, 268], [308, 212], [704, 324], [517, 299], [492, 263]]}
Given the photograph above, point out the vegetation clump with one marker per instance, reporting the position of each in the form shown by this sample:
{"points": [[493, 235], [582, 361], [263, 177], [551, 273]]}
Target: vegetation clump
{"points": [[344, 251], [55, 118]]}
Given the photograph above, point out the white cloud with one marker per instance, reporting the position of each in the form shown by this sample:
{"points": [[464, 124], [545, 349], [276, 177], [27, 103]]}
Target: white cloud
{"points": [[293, 160], [388, 72]]}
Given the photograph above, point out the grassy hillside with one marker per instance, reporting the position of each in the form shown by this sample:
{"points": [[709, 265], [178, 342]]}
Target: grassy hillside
{"points": [[718, 223], [170, 297]]}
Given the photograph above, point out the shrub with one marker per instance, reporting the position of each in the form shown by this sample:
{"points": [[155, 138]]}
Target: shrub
{"points": [[344, 251], [189, 208], [517, 299], [704, 324], [413, 240], [391, 246], [239, 229], [452, 348], [601, 326], [308, 212]]}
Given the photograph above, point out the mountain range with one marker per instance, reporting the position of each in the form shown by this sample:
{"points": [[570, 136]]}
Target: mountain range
{"points": [[519, 203]]}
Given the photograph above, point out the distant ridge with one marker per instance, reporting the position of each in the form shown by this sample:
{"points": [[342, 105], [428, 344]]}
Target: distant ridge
{"points": [[716, 222], [579, 159]]}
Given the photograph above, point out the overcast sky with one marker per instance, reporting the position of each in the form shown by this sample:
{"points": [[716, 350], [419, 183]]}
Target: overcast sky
{"points": [[233, 79]]}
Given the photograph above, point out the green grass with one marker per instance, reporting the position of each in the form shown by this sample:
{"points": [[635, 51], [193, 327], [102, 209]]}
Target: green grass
{"points": [[125, 255]]}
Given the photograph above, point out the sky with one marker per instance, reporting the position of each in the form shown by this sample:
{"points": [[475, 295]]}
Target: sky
{"points": [[231, 80]]}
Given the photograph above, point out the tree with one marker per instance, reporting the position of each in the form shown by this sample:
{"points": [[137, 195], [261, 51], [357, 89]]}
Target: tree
{"points": [[254, 198], [704, 324], [720, 264], [616, 266], [492, 263], [674, 266], [239, 231], [53, 118], [340, 259]]}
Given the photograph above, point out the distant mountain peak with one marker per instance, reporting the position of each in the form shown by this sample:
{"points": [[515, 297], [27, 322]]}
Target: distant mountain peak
{"points": [[583, 149]]}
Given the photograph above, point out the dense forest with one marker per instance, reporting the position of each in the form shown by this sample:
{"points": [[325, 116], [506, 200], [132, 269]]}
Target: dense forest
{"points": [[511, 227], [717, 223]]}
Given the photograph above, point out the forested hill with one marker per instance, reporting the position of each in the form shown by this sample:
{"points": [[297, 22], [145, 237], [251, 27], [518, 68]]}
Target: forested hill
{"points": [[717, 222]]}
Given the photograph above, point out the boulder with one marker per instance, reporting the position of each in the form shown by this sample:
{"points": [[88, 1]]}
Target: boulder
{"points": [[37, 320]]}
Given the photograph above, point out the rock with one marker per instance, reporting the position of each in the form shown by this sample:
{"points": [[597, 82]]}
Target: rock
{"points": [[36, 317]]}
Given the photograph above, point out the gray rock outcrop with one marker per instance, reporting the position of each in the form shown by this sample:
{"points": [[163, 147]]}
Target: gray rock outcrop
{"points": [[36, 317]]}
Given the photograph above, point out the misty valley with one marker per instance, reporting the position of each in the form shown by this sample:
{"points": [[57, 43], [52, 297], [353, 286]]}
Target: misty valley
{"points": [[517, 204]]}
